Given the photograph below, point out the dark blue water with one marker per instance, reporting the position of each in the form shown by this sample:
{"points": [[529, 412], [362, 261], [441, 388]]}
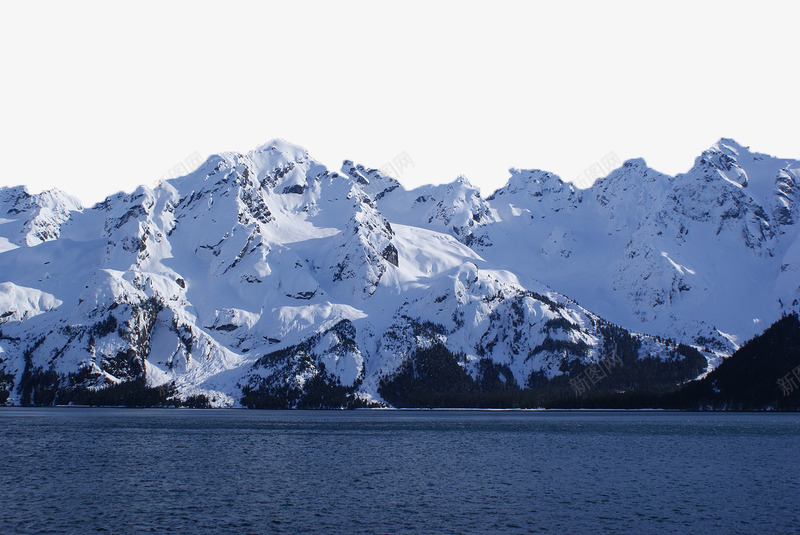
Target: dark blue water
{"points": [[230, 471]]}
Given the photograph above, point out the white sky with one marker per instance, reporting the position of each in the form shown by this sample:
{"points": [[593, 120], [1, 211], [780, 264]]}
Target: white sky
{"points": [[99, 96]]}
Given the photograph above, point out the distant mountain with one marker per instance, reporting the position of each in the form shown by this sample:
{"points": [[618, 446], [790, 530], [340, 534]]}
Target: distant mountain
{"points": [[709, 257], [266, 280]]}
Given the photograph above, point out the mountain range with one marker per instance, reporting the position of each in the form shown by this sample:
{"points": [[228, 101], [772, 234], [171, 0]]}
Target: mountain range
{"points": [[266, 279]]}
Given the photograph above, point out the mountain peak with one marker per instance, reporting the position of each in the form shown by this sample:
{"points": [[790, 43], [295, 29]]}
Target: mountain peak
{"points": [[729, 146], [35, 218], [290, 150], [372, 181], [635, 162], [461, 179], [532, 180], [13, 192], [48, 198]]}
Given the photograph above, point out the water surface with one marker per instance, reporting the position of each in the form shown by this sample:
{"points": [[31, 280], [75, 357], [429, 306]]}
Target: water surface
{"points": [[72, 470]]}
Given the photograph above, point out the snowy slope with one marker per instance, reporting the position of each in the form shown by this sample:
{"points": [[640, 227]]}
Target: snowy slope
{"points": [[267, 274]]}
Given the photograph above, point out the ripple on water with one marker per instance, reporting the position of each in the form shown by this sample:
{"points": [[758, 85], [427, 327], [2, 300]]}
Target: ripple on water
{"points": [[173, 471]]}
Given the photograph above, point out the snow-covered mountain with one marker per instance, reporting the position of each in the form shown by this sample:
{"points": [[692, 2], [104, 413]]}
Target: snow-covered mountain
{"points": [[709, 257], [267, 280]]}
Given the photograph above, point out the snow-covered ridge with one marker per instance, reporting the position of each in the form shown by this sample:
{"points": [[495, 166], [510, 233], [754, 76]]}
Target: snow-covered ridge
{"points": [[266, 273]]}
